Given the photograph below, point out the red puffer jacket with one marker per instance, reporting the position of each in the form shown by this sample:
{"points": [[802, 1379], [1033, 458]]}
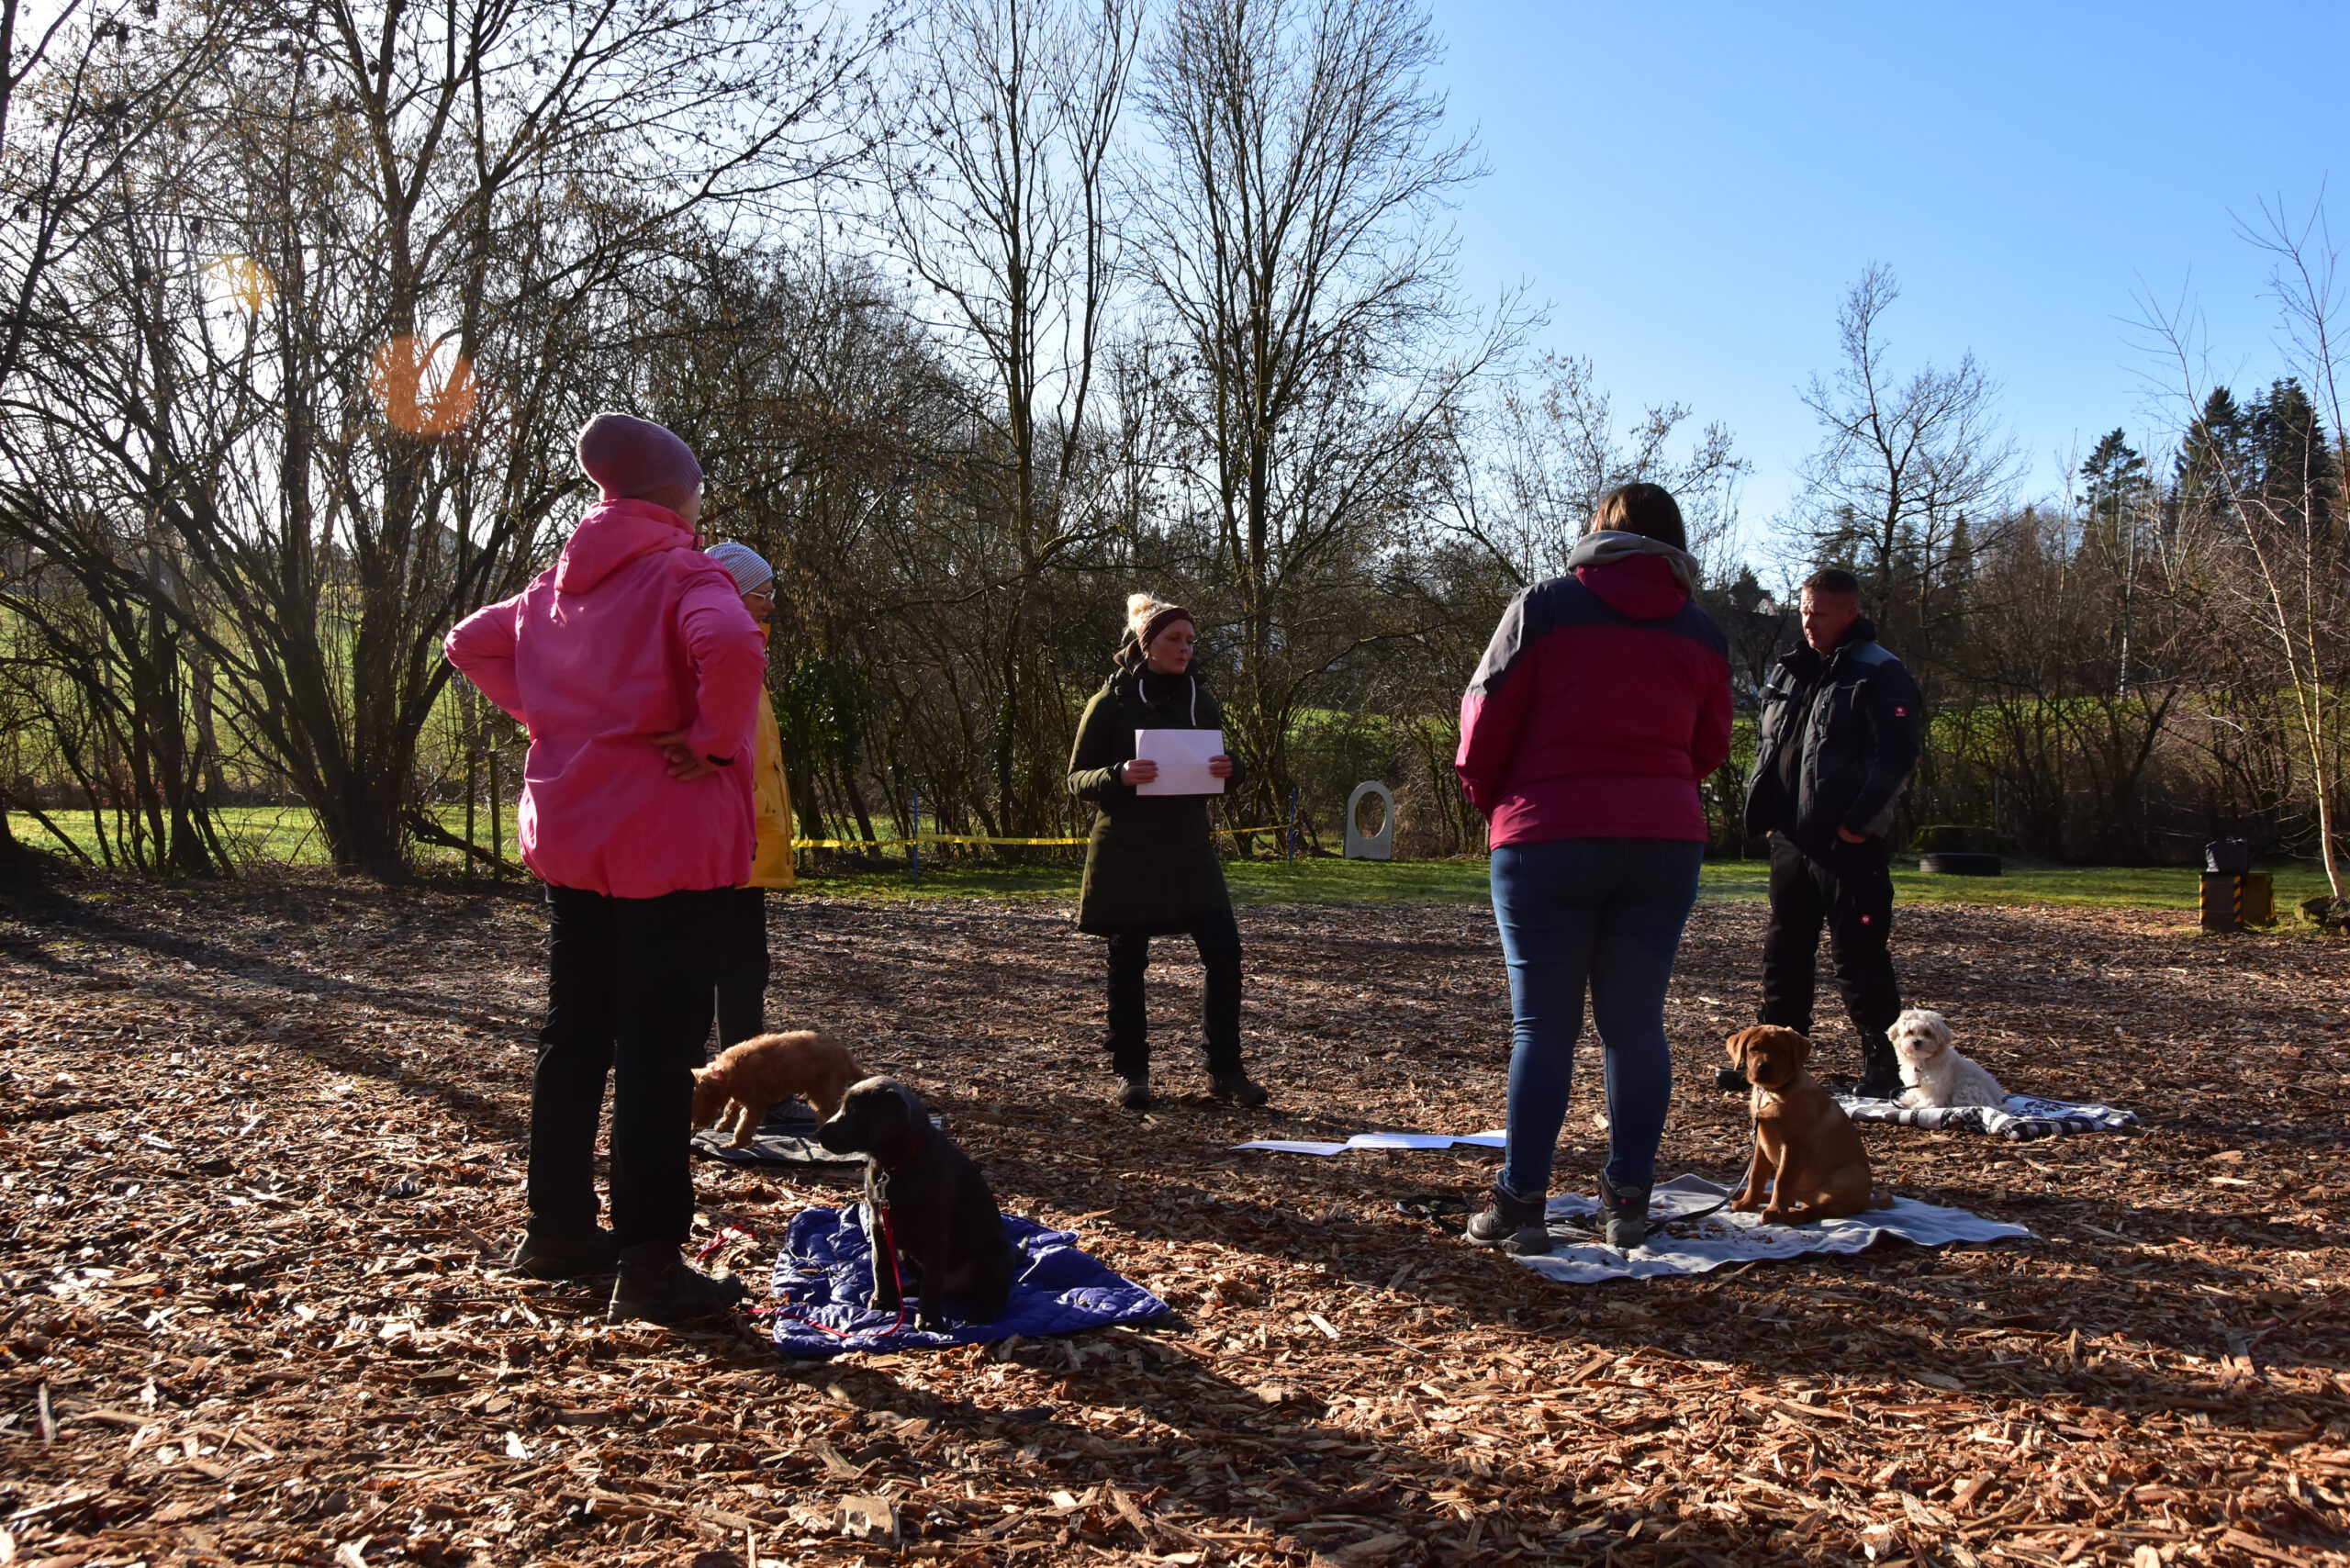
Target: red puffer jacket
{"points": [[1602, 704]]}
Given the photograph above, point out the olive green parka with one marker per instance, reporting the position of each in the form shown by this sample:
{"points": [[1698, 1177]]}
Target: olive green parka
{"points": [[1151, 863]]}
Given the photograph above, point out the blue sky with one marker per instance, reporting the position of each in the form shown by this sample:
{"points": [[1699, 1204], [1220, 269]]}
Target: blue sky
{"points": [[1691, 187]]}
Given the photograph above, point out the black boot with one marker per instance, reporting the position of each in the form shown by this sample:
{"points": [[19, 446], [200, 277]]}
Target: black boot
{"points": [[1880, 1069], [1729, 1080], [549, 1254], [1238, 1086], [1623, 1213], [1134, 1090], [1514, 1225], [660, 1287]]}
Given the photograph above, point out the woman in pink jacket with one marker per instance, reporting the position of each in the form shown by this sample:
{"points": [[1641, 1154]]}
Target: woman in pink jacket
{"points": [[635, 669]]}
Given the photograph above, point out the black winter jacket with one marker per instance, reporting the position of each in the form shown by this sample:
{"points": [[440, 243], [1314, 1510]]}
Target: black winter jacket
{"points": [[1860, 721], [1151, 864]]}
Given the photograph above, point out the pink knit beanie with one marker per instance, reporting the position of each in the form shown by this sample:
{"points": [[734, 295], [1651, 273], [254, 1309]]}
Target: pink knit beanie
{"points": [[635, 459]]}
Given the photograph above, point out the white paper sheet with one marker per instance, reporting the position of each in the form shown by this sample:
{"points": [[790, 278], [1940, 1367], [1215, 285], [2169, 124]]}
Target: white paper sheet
{"points": [[1400, 1140], [1182, 758], [1294, 1145], [1382, 1140]]}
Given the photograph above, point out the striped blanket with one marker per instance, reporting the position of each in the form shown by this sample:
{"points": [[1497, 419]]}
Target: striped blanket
{"points": [[2023, 1116]]}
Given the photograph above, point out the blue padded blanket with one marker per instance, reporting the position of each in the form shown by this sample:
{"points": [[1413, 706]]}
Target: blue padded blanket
{"points": [[825, 1274]]}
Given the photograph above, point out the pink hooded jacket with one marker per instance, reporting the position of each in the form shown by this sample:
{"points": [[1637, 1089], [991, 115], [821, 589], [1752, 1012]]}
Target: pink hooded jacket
{"points": [[633, 634]]}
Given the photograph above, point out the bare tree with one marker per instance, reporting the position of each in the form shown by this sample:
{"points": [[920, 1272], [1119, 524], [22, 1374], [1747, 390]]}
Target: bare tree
{"points": [[1910, 471], [1288, 230], [1551, 448], [2275, 513], [1000, 201], [438, 220]]}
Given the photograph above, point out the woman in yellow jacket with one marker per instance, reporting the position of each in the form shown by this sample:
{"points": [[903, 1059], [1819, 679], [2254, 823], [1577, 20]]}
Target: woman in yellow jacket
{"points": [[743, 966]]}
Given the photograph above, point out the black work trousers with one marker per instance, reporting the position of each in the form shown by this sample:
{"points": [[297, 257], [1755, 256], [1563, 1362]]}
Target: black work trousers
{"points": [[742, 968], [1849, 889], [1217, 936], [629, 986]]}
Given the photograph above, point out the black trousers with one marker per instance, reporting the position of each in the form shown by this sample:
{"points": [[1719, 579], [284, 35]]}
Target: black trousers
{"points": [[1849, 889], [1217, 936], [629, 984], [742, 968]]}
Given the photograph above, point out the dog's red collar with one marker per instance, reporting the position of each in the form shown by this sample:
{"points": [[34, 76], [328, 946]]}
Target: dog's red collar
{"points": [[907, 1155]]}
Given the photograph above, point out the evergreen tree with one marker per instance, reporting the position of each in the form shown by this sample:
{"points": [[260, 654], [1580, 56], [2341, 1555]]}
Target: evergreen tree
{"points": [[2116, 476], [2212, 460], [2296, 478]]}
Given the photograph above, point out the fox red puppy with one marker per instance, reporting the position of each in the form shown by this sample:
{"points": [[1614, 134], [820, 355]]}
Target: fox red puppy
{"points": [[1810, 1162]]}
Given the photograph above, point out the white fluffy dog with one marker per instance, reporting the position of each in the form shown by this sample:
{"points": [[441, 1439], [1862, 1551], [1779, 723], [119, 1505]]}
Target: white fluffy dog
{"points": [[1932, 1067]]}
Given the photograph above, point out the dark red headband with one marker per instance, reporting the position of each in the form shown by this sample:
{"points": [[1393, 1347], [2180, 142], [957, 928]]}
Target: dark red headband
{"points": [[1166, 615]]}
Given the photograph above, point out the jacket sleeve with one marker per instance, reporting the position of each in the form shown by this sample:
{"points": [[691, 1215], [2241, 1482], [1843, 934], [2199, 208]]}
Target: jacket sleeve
{"points": [[729, 666], [1100, 750], [481, 646], [1494, 710], [1215, 721], [1709, 738], [1895, 712]]}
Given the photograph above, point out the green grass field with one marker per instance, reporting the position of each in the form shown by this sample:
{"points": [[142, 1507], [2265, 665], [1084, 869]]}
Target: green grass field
{"points": [[1463, 881], [287, 835]]}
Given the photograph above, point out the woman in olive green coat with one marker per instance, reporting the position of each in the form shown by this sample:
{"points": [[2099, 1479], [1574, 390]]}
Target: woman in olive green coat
{"points": [[1151, 868]]}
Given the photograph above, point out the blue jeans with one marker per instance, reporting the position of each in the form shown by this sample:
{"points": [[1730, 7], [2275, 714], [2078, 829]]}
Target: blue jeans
{"points": [[1604, 913]]}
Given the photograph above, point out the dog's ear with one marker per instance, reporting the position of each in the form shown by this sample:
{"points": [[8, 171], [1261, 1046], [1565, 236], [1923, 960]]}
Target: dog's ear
{"points": [[1799, 1046], [1737, 1045]]}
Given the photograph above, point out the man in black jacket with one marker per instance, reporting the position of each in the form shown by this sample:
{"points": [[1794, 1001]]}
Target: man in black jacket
{"points": [[1839, 735]]}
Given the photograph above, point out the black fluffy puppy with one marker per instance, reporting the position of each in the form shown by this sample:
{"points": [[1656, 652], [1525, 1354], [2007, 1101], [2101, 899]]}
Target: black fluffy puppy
{"points": [[939, 1210]]}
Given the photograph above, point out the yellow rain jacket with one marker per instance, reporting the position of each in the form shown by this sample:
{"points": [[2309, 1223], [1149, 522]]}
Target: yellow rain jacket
{"points": [[771, 803]]}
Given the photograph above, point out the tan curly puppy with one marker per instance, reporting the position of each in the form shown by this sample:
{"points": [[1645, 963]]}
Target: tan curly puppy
{"points": [[749, 1080]]}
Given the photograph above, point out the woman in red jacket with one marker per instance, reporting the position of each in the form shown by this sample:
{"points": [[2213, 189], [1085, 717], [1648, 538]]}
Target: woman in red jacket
{"points": [[635, 667], [1602, 704]]}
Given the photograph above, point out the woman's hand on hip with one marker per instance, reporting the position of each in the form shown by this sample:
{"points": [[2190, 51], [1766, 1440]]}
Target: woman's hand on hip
{"points": [[684, 761], [1141, 771], [1220, 767]]}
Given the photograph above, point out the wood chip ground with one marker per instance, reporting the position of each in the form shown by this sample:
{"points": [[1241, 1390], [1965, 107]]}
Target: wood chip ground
{"points": [[260, 1162]]}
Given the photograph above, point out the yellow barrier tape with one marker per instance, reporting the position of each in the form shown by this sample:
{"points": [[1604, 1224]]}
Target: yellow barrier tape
{"points": [[979, 838]]}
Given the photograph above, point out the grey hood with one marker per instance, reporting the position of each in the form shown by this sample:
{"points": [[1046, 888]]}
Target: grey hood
{"points": [[1604, 545]]}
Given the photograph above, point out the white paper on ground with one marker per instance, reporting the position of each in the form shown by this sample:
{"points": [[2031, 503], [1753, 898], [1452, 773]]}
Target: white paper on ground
{"points": [[1725, 1236], [1182, 758], [1400, 1140], [1495, 1139]]}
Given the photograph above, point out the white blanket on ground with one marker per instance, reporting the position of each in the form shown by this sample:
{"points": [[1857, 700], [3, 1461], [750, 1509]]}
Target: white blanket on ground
{"points": [[1697, 1247], [2021, 1117], [1495, 1139]]}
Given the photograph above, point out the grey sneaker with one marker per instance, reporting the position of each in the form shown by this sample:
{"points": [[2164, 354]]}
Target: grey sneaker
{"points": [[1514, 1225], [1134, 1093], [1623, 1213]]}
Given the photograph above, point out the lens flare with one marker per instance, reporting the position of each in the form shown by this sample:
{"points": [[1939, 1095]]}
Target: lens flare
{"points": [[422, 386], [242, 282]]}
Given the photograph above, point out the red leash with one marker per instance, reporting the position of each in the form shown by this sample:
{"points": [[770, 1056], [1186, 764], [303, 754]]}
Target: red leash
{"points": [[888, 1239]]}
